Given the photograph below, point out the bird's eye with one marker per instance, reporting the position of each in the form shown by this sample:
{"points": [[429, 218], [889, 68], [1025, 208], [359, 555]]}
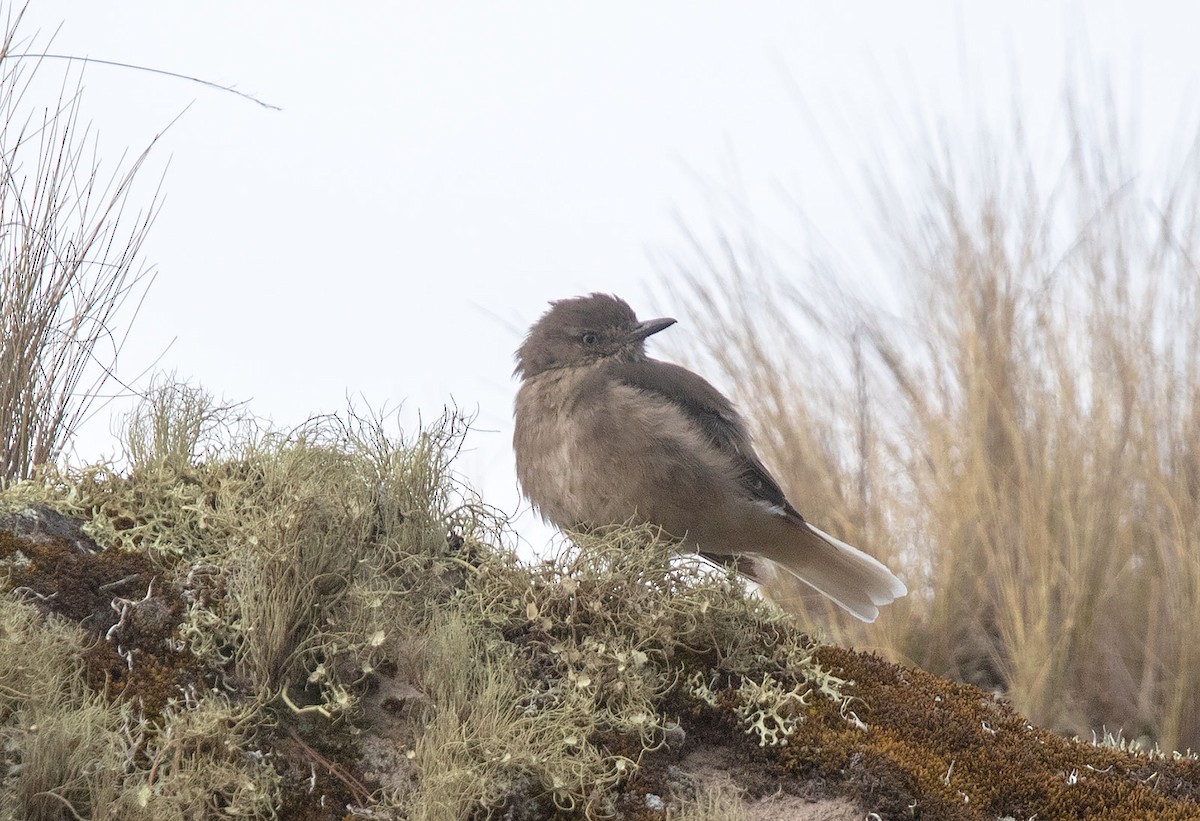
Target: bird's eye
{"points": [[590, 338]]}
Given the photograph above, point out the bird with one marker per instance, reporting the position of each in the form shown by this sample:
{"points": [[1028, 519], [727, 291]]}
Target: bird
{"points": [[605, 435]]}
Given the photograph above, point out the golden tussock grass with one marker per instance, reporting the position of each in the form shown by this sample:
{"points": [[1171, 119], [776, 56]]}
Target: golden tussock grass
{"points": [[1018, 435]]}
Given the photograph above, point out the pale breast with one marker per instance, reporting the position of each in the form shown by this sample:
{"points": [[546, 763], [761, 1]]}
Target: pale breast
{"points": [[547, 441], [622, 454]]}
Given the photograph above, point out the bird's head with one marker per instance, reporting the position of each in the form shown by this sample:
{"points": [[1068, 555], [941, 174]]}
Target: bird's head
{"points": [[583, 330]]}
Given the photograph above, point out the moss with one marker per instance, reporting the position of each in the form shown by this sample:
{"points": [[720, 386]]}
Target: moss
{"points": [[121, 599], [935, 749]]}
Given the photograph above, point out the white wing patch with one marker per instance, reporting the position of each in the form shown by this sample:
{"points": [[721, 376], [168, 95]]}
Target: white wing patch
{"points": [[776, 510]]}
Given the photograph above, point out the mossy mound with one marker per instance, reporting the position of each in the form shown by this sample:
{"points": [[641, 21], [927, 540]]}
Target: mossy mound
{"points": [[321, 624], [936, 749]]}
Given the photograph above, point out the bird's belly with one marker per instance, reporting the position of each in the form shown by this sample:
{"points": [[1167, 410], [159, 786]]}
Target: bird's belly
{"points": [[569, 474], [618, 460]]}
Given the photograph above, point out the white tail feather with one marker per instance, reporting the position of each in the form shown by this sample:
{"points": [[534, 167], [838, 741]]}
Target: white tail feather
{"points": [[855, 581]]}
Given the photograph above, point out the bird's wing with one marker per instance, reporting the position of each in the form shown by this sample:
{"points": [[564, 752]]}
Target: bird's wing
{"points": [[710, 411]]}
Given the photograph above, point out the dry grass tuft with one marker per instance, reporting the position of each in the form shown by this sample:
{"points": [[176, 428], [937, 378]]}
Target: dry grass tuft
{"points": [[1022, 443], [69, 251]]}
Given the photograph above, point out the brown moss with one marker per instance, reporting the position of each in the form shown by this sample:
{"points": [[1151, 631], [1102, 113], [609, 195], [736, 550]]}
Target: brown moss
{"points": [[121, 600], [936, 749]]}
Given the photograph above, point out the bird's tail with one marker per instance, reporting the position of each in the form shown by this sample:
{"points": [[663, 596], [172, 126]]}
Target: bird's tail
{"points": [[855, 581]]}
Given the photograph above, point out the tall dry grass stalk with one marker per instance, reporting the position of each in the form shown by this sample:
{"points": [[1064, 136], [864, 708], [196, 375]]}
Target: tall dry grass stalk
{"points": [[68, 265], [1021, 437]]}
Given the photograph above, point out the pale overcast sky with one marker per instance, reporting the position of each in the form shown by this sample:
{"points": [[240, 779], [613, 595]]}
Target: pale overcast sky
{"points": [[440, 170]]}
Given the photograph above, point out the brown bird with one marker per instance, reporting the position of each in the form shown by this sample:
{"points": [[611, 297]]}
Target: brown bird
{"points": [[605, 435]]}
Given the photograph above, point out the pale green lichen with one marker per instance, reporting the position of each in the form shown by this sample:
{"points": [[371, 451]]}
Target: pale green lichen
{"points": [[317, 563], [770, 710], [699, 687]]}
